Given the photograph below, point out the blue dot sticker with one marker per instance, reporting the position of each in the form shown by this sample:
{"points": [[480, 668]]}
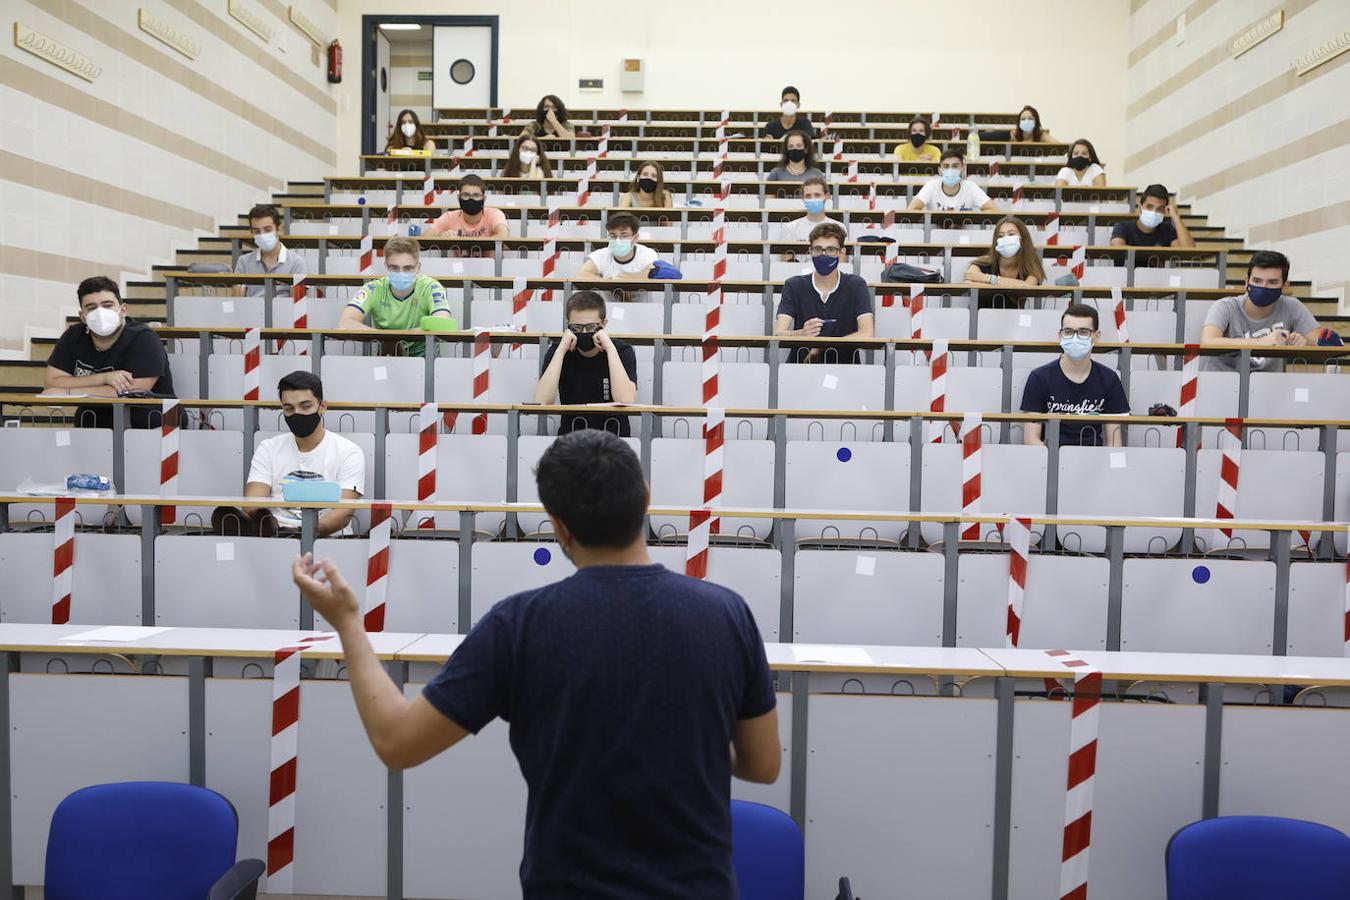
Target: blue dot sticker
{"points": [[843, 454], [1200, 574], [542, 556], [360, 201]]}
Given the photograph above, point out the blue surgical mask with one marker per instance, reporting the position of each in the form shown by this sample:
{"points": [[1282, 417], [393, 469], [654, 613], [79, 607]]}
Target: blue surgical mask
{"points": [[1263, 296], [1009, 246], [815, 207], [825, 264], [1027, 125], [1077, 347], [951, 177], [402, 282], [266, 242], [1150, 218], [620, 248]]}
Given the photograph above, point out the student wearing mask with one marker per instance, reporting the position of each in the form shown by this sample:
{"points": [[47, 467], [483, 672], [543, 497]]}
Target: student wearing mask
{"points": [[1152, 229], [527, 160], [1029, 127], [918, 148], [309, 452], [1264, 316], [791, 120], [952, 190], [1012, 260], [827, 303], [1075, 385], [624, 259], [588, 366], [550, 120], [408, 135], [648, 189], [815, 194], [401, 299], [271, 257], [1082, 168], [106, 354], [799, 159], [474, 218]]}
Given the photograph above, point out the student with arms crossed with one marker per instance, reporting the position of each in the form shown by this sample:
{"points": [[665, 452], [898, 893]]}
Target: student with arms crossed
{"points": [[1075, 385], [627, 735], [826, 303], [107, 354], [589, 366], [1264, 316]]}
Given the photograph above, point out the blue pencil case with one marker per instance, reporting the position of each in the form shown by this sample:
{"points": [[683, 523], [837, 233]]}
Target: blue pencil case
{"points": [[308, 491]]}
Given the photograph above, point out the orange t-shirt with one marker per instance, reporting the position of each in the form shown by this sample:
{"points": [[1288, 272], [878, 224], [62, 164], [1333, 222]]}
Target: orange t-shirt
{"points": [[451, 222]]}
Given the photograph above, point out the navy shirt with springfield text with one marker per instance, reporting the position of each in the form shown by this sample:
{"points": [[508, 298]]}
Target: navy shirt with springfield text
{"points": [[845, 304], [622, 686], [1049, 390]]}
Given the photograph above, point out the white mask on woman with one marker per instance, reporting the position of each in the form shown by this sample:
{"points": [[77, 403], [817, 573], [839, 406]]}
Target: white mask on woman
{"points": [[527, 157], [408, 129]]}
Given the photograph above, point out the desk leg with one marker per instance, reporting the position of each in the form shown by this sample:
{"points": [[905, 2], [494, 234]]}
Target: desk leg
{"points": [[398, 671], [1209, 803], [199, 669], [801, 701], [309, 531], [1003, 764], [8, 665]]}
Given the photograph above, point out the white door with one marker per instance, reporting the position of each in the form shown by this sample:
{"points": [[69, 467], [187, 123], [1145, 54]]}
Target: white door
{"points": [[463, 66], [384, 77]]}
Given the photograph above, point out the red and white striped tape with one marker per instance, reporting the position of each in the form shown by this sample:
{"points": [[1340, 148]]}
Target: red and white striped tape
{"points": [[872, 195], [468, 146], [299, 307], [915, 304], [550, 250], [1078, 262], [427, 429], [937, 398], [1230, 442], [492, 130], [1346, 624], [1051, 229], [377, 564], [888, 219], [168, 458], [63, 558], [890, 254], [994, 167], [584, 183], [285, 764], [1082, 771], [937, 120], [719, 237], [391, 228], [520, 302], [602, 149], [712, 354], [838, 155], [367, 257], [972, 440], [1118, 305], [429, 190], [1017, 194], [252, 363], [719, 166], [623, 115], [482, 353], [853, 171], [1190, 386], [704, 522], [824, 132], [1018, 532]]}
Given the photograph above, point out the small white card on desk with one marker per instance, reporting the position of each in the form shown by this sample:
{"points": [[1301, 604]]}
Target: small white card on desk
{"points": [[616, 313], [63, 439], [457, 268], [380, 373], [1024, 321], [225, 552], [965, 239], [827, 654], [332, 229], [1117, 460], [1301, 395], [227, 306], [1174, 281], [116, 633], [1094, 209], [830, 382], [866, 565]]}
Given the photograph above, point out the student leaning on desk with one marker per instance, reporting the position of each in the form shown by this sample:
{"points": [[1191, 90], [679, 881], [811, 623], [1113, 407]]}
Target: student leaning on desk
{"points": [[633, 694]]}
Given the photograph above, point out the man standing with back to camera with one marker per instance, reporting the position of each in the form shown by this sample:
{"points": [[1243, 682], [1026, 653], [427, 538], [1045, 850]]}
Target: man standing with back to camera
{"points": [[633, 695]]}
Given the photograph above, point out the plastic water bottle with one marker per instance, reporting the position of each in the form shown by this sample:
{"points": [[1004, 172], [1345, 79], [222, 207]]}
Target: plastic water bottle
{"points": [[973, 144], [414, 230], [85, 482]]}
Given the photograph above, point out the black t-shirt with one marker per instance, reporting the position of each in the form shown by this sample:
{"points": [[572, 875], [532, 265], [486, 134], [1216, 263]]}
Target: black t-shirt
{"points": [[585, 379], [846, 303], [137, 350], [1049, 390], [622, 686], [1162, 236], [800, 123]]}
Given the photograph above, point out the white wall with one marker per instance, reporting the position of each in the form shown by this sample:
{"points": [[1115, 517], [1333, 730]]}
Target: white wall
{"points": [[109, 177], [1253, 145], [878, 54]]}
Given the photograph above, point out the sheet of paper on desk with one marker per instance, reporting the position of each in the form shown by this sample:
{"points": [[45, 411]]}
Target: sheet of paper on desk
{"points": [[64, 394], [831, 655], [116, 634]]}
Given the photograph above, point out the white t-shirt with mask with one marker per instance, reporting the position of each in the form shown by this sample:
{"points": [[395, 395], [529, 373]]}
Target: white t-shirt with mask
{"points": [[1074, 179], [799, 230], [278, 460], [605, 264], [969, 196]]}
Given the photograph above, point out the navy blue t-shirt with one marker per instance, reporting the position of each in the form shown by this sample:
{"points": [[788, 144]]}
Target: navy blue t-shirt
{"points": [[1049, 390], [622, 686], [849, 301]]}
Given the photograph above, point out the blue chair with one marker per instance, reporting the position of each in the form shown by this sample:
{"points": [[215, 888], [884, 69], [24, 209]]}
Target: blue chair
{"points": [[768, 854], [148, 840], [1257, 857]]}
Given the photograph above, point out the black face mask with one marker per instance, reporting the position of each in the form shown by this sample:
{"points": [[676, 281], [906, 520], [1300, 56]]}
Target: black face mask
{"points": [[302, 425], [647, 185], [918, 139], [796, 154], [1079, 163], [585, 342], [473, 206]]}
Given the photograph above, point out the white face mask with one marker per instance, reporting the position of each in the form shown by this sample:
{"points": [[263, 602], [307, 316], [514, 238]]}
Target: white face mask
{"points": [[408, 129], [527, 157], [789, 108], [1008, 246], [103, 322], [266, 242]]}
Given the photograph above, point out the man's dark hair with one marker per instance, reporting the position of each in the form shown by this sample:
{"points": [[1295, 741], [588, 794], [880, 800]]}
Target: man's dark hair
{"points": [[584, 300], [1081, 311], [952, 153], [266, 211], [591, 481], [300, 380], [1157, 191], [817, 180], [472, 180], [1269, 259], [623, 220], [790, 90], [93, 285]]}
